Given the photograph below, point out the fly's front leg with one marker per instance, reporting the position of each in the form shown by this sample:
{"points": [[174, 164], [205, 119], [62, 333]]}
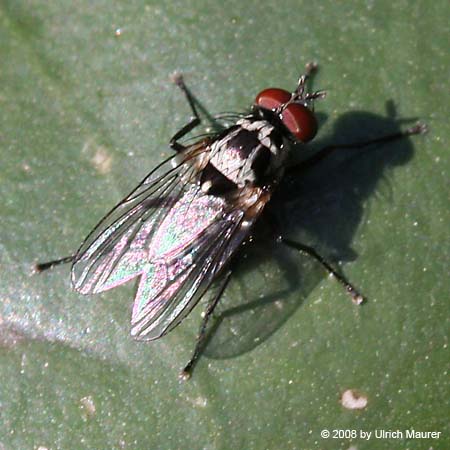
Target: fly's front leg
{"points": [[195, 120], [357, 298], [419, 128]]}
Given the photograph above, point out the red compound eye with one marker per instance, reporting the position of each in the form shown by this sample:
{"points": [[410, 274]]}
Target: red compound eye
{"points": [[300, 121], [272, 98], [297, 118]]}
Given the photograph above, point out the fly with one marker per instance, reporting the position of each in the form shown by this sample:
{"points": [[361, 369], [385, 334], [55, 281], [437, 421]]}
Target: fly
{"points": [[177, 231]]}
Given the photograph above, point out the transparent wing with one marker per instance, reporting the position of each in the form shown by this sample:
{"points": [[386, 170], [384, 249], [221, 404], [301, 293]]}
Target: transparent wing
{"points": [[171, 235], [129, 226], [126, 228], [171, 288]]}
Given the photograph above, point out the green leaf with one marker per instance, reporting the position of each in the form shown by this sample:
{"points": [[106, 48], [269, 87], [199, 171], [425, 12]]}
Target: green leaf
{"points": [[87, 109]]}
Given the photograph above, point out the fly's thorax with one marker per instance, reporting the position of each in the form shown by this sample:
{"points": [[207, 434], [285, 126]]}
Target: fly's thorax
{"points": [[249, 153]]}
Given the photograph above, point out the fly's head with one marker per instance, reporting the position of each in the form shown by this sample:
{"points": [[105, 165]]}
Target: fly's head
{"points": [[291, 112]]}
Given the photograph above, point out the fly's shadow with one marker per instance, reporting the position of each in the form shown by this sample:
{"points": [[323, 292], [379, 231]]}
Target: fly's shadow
{"points": [[321, 207]]}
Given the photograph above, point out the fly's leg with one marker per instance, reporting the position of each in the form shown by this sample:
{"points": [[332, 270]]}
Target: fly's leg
{"points": [[40, 267], [300, 91], [186, 373], [357, 298], [194, 122], [419, 128]]}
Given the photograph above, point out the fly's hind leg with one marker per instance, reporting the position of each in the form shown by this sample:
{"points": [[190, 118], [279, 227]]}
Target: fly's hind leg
{"points": [[186, 373], [356, 297]]}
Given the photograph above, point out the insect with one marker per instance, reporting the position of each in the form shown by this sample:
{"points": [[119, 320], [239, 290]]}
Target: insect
{"points": [[178, 230]]}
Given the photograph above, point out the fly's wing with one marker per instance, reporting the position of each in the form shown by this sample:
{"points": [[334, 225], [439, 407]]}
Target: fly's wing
{"points": [[169, 233], [173, 284], [127, 227]]}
